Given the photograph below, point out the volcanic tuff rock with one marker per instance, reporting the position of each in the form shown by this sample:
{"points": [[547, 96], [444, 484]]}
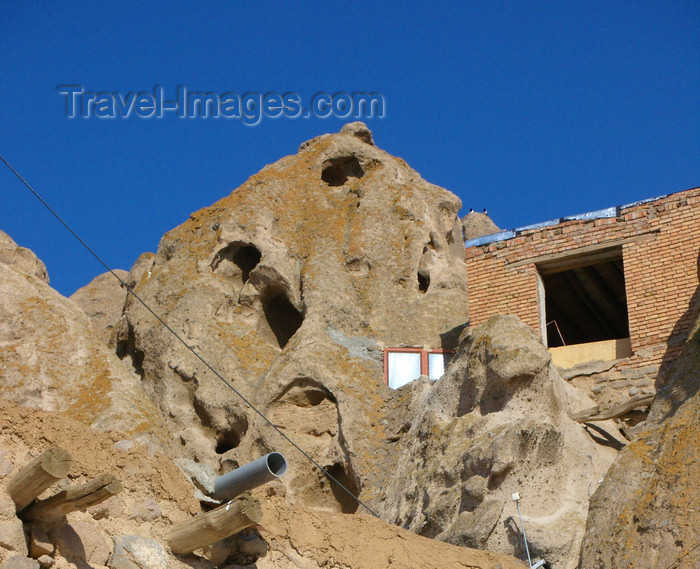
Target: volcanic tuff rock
{"points": [[477, 224], [646, 513], [103, 300], [291, 287], [495, 424], [51, 359]]}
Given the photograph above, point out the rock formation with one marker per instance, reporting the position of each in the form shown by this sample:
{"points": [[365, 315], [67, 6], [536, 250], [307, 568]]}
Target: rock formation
{"points": [[103, 300], [495, 424], [290, 288], [476, 224], [646, 513], [51, 358]]}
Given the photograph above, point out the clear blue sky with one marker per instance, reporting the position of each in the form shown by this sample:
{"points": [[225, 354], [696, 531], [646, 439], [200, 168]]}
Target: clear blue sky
{"points": [[533, 110]]}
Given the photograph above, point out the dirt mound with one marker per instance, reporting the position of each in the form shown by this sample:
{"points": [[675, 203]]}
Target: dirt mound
{"points": [[312, 539], [156, 495]]}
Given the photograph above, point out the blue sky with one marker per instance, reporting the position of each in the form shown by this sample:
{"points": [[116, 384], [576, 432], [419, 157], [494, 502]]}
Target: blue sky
{"points": [[533, 110]]}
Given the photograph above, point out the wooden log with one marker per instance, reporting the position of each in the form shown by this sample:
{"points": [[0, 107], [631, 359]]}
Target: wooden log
{"points": [[72, 499], [46, 469], [210, 527], [598, 414]]}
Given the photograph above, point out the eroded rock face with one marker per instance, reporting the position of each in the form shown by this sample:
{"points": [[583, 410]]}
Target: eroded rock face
{"points": [[290, 287], [103, 300], [51, 359], [495, 424], [477, 224], [646, 513]]}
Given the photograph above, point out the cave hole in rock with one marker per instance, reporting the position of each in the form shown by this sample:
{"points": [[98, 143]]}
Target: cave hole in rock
{"points": [[127, 347], [336, 171], [226, 442], [281, 315], [231, 437], [243, 255], [348, 504], [306, 392], [423, 281]]}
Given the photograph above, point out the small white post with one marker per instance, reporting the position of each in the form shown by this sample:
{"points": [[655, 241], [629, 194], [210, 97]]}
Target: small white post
{"points": [[541, 562]]}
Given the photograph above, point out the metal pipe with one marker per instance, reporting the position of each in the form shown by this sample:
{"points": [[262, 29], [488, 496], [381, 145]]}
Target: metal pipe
{"points": [[249, 476]]}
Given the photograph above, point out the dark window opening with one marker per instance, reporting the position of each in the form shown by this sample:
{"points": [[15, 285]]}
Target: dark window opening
{"points": [[584, 298], [281, 315], [336, 171]]}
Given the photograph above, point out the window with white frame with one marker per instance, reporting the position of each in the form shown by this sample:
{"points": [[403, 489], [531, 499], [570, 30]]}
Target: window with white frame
{"points": [[403, 365]]}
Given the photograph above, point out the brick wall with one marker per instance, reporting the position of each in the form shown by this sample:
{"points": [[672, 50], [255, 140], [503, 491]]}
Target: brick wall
{"points": [[660, 243]]}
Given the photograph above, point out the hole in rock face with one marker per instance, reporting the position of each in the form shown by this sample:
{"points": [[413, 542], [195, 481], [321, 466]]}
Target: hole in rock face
{"points": [[284, 320], [231, 438], [127, 347], [243, 255], [225, 444], [348, 505], [423, 281], [336, 171]]}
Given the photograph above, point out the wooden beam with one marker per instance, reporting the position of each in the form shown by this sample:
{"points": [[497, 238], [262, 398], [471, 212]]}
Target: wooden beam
{"points": [[72, 499], [207, 528], [46, 469], [598, 414]]}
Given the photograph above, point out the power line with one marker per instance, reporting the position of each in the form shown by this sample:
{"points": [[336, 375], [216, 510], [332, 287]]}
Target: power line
{"points": [[183, 342], [684, 555]]}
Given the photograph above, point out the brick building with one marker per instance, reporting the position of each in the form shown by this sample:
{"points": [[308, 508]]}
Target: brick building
{"points": [[614, 286]]}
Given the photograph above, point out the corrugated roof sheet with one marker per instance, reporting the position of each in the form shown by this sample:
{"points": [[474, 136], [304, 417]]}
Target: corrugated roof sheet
{"points": [[597, 214]]}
